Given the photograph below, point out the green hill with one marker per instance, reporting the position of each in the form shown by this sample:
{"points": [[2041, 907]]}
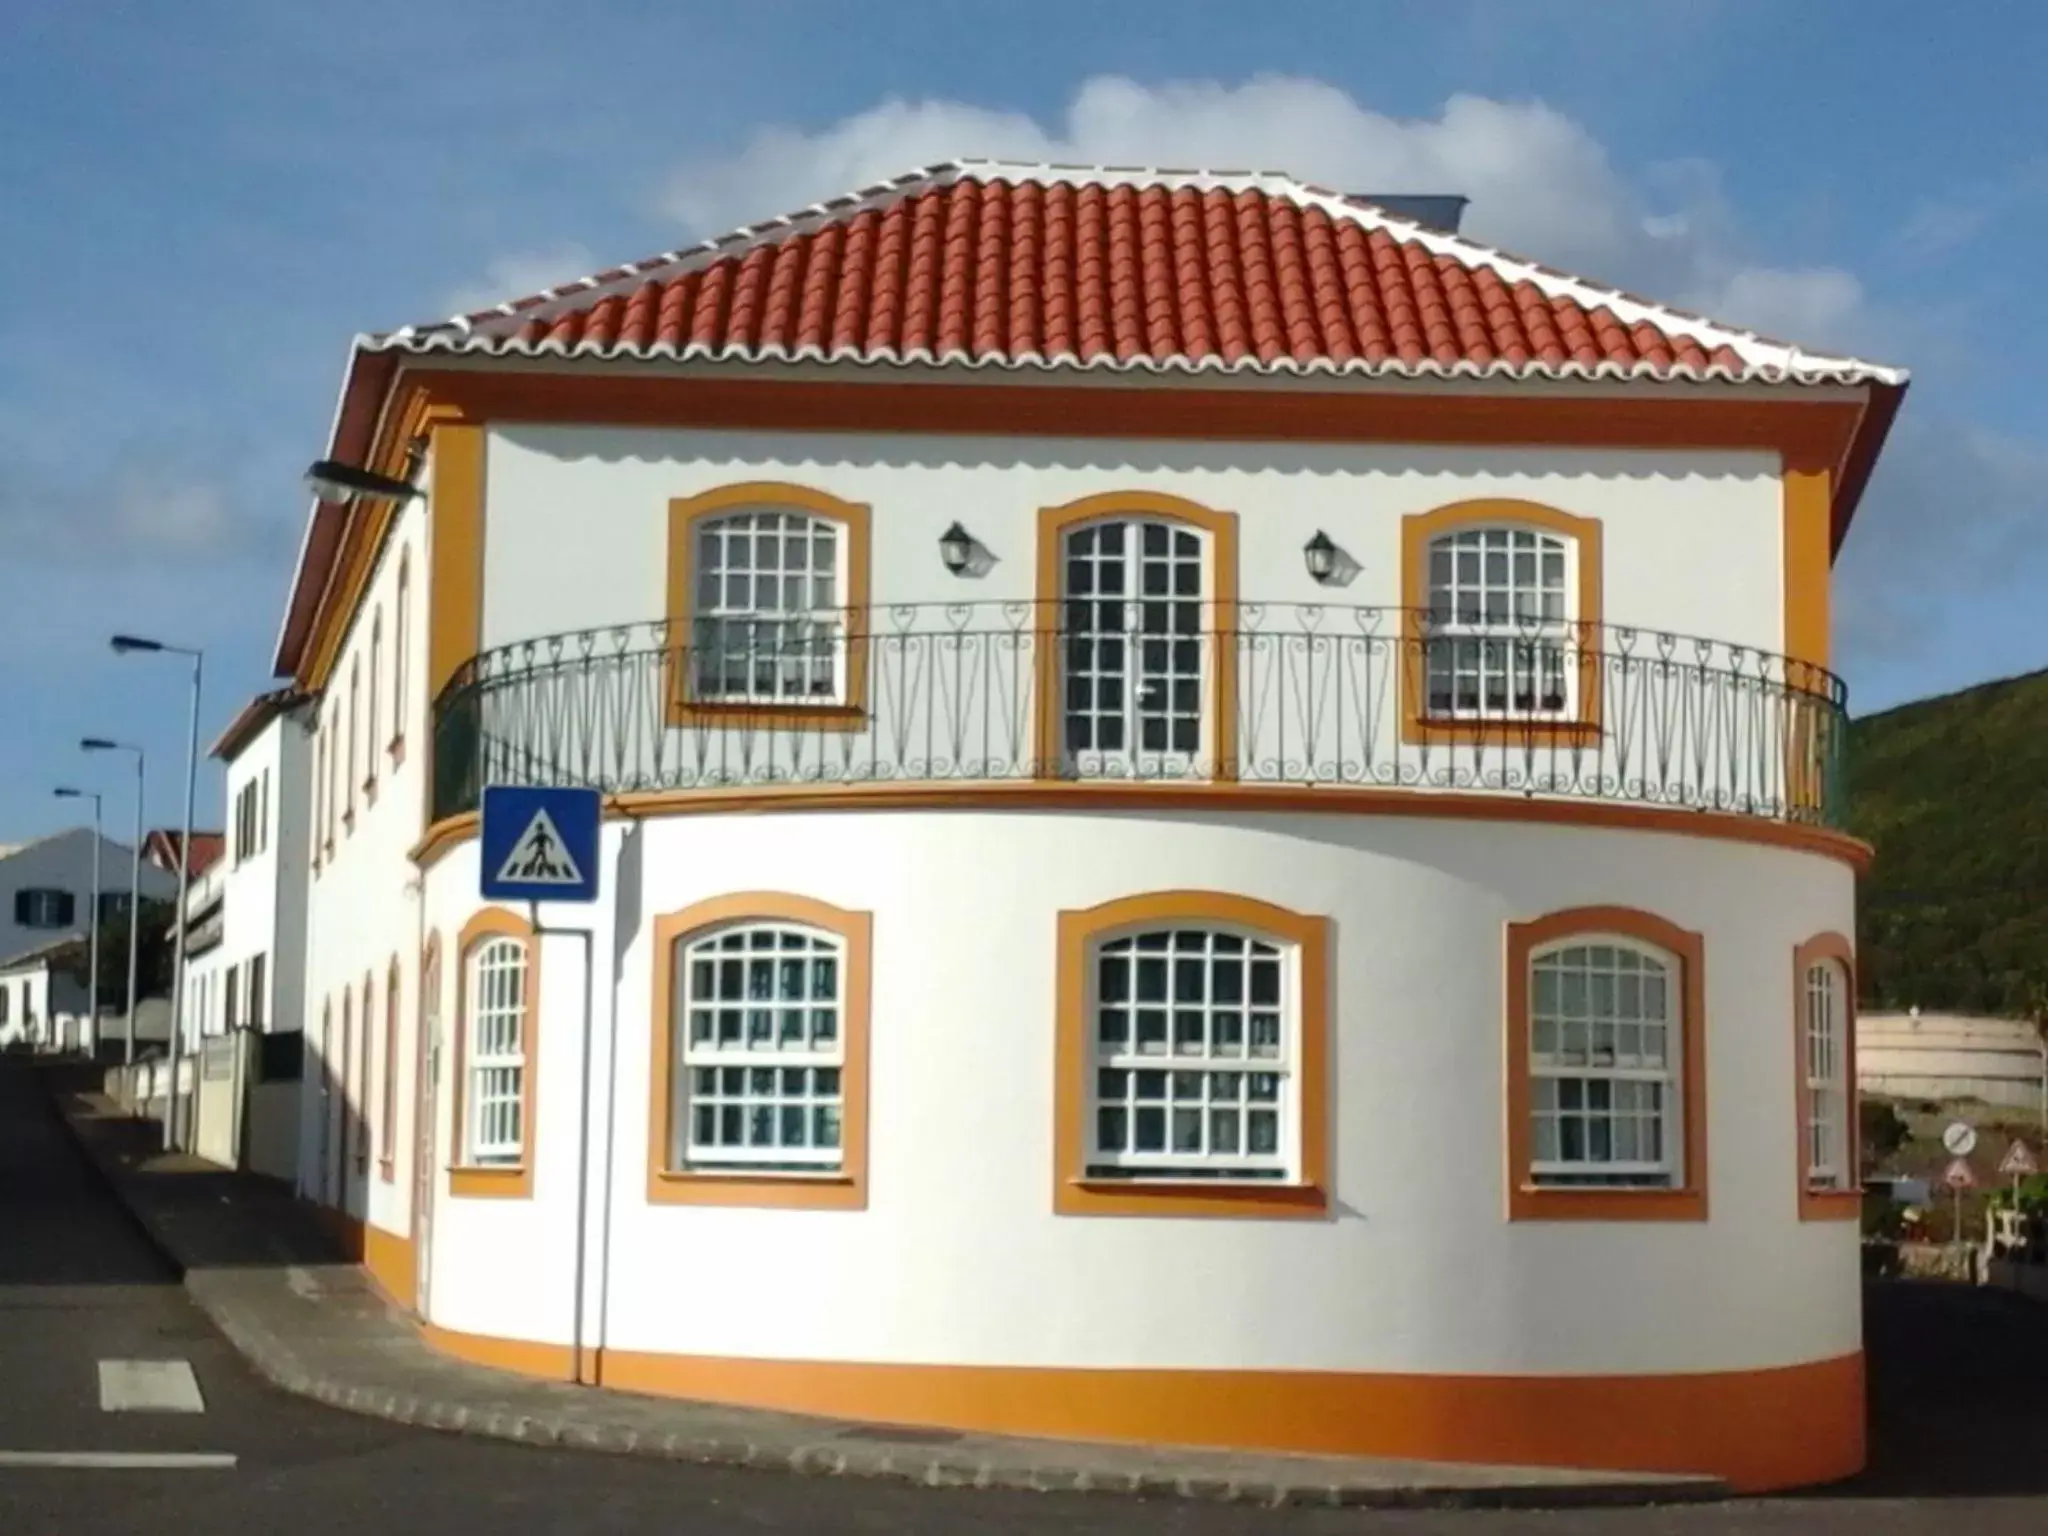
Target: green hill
{"points": [[1953, 791]]}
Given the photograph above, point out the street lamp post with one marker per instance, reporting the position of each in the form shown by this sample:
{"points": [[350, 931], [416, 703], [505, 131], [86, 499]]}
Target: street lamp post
{"points": [[92, 985], [124, 644], [102, 744]]}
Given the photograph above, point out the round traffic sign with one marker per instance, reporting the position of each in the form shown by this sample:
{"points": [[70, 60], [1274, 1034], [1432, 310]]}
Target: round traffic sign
{"points": [[1960, 1138]]}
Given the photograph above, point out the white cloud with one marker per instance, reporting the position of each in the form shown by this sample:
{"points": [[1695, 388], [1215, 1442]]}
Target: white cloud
{"points": [[128, 518], [519, 275], [1540, 184]]}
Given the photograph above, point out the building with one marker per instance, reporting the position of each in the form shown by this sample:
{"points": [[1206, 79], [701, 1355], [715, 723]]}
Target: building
{"points": [[1946, 1056], [45, 904], [245, 942], [246, 908], [1223, 826]]}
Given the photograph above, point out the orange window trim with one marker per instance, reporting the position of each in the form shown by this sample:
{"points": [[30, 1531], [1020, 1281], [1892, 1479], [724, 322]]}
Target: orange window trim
{"points": [[1074, 1193], [848, 1189], [387, 1129], [1528, 1201], [1219, 603], [1418, 531], [1845, 1204], [684, 513], [495, 1181]]}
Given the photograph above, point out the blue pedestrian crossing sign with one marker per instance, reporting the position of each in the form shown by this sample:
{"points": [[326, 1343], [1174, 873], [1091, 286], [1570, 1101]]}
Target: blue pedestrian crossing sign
{"points": [[538, 844]]}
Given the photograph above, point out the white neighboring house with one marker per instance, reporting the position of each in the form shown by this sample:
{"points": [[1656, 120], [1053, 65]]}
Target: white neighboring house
{"points": [[1917, 1055], [245, 912], [45, 904]]}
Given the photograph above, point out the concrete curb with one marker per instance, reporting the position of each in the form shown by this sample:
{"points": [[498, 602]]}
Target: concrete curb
{"points": [[277, 1363]]}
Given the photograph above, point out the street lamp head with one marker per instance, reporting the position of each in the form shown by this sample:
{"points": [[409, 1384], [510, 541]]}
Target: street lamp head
{"points": [[332, 480], [63, 792], [126, 643], [106, 744]]}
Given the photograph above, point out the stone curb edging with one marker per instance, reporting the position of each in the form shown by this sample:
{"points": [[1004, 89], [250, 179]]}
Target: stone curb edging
{"points": [[277, 1364]]}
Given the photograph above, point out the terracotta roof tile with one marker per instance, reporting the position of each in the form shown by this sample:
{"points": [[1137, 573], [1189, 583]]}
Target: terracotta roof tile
{"points": [[1021, 266]]}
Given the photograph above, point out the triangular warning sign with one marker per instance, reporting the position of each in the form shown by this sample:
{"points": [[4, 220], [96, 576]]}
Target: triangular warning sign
{"points": [[539, 856], [2019, 1160]]}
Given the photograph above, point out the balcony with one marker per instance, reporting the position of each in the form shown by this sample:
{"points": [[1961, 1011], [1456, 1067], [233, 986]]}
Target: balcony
{"points": [[960, 695]]}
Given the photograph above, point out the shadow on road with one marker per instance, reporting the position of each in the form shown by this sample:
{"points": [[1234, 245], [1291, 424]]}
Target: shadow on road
{"points": [[1958, 1393], [47, 1187]]}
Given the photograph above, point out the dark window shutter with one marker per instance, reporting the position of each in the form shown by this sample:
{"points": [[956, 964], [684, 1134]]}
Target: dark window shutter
{"points": [[21, 908], [67, 909]]}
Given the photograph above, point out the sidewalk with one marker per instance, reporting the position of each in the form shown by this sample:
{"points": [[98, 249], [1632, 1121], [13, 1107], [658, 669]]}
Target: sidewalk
{"points": [[263, 1266]]}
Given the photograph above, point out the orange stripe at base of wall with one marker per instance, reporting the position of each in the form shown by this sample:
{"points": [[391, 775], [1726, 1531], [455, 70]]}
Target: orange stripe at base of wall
{"points": [[386, 1257], [1758, 1430]]}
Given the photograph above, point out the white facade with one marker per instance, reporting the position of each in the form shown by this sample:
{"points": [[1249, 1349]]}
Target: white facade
{"points": [[1692, 540], [247, 910], [957, 1259]]}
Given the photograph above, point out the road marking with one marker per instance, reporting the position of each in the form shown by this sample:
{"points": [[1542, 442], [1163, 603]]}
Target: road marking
{"points": [[149, 1386], [136, 1461]]}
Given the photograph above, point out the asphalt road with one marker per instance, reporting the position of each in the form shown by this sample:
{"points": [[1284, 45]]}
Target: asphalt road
{"points": [[1961, 1383]]}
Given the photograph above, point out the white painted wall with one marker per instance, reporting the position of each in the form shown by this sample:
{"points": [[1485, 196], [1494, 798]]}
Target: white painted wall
{"points": [[361, 908], [959, 1259], [63, 861], [1692, 538]]}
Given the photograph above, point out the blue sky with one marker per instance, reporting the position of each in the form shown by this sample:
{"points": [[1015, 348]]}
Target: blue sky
{"points": [[200, 204]]}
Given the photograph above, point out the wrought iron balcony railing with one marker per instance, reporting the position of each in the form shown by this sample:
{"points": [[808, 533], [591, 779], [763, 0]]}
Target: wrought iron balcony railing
{"points": [[1142, 690]]}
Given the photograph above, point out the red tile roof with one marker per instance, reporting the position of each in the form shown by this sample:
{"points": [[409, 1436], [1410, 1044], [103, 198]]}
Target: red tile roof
{"points": [[160, 847], [988, 265]]}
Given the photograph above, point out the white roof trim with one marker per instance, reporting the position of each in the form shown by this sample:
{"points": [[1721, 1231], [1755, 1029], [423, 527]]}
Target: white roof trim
{"points": [[487, 331]]}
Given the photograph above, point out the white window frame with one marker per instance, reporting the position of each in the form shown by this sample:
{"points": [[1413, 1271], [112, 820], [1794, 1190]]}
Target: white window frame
{"points": [[1824, 1039], [1081, 621], [1451, 623], [496, 994], [779, 1032], [801, 643], [1655, 967], [1130, 1082]]}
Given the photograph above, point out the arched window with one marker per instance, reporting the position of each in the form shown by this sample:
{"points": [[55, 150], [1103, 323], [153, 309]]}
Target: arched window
{"points": [[1139, 591], [1604, 1027], [495, 1045], [348, 761], [1606, 1100], [363, 1040], [1195, 1040], [760, 1053], [760, 1022], [387, 1112], [1824, 1025], [370, 738], [1191, 1051], [767, 600], [401, 654], [1502, 618], [346, 1100]]}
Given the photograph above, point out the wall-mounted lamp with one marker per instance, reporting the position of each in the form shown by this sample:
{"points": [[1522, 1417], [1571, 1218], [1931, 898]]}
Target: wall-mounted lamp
{"points": [[956, 548], [1319, 554]]}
